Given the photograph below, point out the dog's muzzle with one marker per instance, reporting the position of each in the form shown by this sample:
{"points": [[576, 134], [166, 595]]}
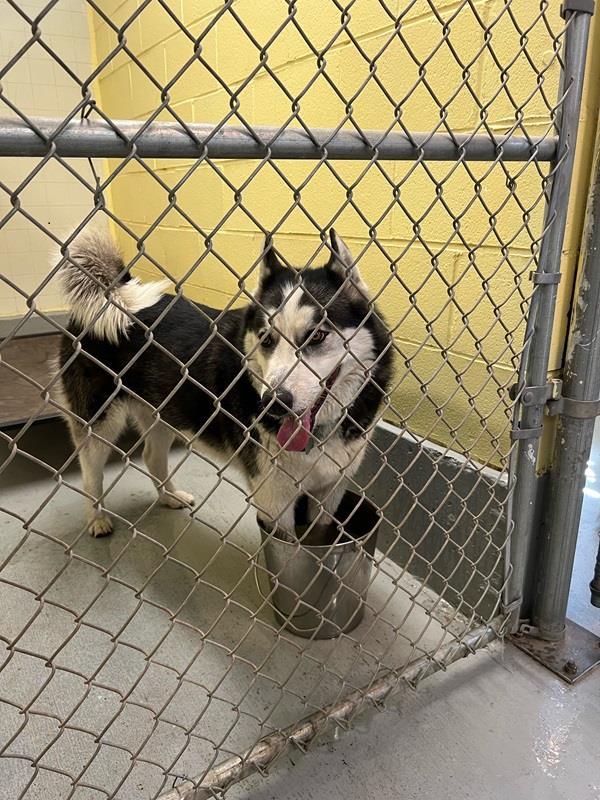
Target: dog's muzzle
{"points": [[295, 430], [277, 404]]}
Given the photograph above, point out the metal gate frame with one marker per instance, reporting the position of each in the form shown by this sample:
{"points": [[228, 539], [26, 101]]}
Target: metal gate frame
{"points": [[543, 569], [35, 137], [546, 633], [534, 367]]}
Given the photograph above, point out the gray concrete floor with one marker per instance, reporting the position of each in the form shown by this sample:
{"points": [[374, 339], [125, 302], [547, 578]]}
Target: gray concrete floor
{"points": [[495, 726], [155, 639], [179, 696]]}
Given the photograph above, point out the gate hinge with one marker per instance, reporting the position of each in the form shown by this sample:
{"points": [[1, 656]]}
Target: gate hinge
{"points": [[549, 394], [537, 277], [585, 6], [577, 409], [526, 433], [537, 395]]}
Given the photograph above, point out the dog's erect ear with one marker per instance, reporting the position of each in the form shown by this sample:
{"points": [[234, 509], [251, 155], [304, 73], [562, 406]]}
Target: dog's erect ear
{"points": [[342, 263], [270, 264]]}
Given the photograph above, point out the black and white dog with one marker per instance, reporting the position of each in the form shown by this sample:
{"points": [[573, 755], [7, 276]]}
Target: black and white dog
{"points": [[290, 385]]}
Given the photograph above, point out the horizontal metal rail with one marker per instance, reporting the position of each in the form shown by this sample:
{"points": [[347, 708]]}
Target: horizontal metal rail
{"points": [[97, 139], [265, 752]]}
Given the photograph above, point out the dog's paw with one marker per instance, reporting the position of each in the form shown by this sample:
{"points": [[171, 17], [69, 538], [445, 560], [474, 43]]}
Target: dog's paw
{"points": [[100, 526], [177, 499]]}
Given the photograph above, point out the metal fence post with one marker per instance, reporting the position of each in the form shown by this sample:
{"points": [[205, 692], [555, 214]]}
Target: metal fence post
{"points": [[539, 329], [579, 407]]}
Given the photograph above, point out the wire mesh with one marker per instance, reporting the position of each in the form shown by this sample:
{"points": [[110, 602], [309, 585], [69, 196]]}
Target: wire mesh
{"points": [[138, 662]]}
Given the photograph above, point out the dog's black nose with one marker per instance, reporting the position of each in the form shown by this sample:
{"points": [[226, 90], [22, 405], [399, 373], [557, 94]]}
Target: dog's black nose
{"points": [[278, 403]]}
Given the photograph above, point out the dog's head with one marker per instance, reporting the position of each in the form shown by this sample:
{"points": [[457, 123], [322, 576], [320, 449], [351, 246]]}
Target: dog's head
{"points": [[312, 337]]}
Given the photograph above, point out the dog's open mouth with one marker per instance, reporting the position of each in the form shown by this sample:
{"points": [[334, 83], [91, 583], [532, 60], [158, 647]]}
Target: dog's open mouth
{"points": [[294, 433]]}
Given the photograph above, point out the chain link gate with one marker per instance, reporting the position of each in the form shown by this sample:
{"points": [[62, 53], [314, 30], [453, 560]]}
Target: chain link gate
{"points": [[150, 664]]}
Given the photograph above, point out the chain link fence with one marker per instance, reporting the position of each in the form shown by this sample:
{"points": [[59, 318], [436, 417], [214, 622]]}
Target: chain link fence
{"points": [[161, 661]]}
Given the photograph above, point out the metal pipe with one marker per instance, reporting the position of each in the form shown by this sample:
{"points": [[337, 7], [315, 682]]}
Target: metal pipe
{"points": [[541, 317], [97, 139], [581, 381], [259, 757]]}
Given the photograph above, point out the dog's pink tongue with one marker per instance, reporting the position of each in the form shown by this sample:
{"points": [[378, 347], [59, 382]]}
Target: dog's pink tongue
{"points": [[294, 434]]}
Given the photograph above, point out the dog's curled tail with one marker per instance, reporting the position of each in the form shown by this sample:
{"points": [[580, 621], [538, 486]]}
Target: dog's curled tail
{"points": [[101, 293]]}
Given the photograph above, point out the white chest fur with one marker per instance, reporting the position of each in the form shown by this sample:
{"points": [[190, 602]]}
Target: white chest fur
{"points": [[322, 474]]}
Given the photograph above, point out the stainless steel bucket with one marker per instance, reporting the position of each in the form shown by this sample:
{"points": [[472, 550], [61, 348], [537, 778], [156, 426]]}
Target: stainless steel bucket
{"points": [[320, 591]]}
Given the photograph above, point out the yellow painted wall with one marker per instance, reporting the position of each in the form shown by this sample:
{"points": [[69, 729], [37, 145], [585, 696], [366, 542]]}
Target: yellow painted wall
{"points": [[444, 271], [38, 86]]}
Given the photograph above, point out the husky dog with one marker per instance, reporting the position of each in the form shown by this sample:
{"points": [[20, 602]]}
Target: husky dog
{"points": [[291, 385]]}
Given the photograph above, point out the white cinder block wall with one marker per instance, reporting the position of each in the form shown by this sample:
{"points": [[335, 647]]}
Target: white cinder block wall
{"points": [[39, 86]]}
